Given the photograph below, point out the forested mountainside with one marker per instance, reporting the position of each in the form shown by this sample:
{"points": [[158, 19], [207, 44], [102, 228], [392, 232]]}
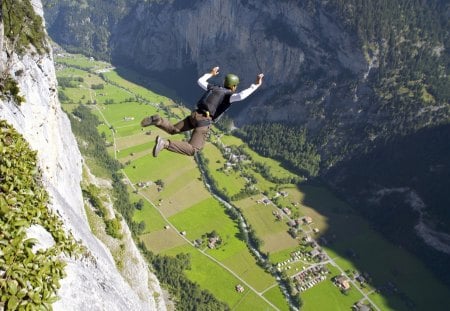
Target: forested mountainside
{"points": [[360, 86]]}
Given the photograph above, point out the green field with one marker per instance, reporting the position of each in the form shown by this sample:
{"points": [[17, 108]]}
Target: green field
{"points": [[184, 204]]}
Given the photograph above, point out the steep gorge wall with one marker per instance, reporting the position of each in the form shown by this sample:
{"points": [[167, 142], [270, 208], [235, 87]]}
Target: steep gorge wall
{"points": [[92, 282], [320, 73], [287, 41]]}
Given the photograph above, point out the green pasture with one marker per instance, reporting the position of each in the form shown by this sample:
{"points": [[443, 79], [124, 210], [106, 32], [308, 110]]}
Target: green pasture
{"points": [[126, 117], [81, 61], [208, 216], [219, 281], [78, 95], [187, 194], [272, 232], [182, 183], [244, 264], [162, 240], [261, 183], [125, 154], [148, 214], [68, 108], [135, 88], [326, 296], [78, 73], [110, 92], [275, 296], [134, 143], [205, 217], [167, 167], [103, 128], [282, 255]]}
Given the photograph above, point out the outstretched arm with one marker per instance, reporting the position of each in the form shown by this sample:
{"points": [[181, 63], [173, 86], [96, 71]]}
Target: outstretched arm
{"points": [[203, 80], [247, 92]]}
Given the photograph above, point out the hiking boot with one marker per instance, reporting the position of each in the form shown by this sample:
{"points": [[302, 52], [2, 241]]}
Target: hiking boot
{"points": [[159, 145], [151, 120]]}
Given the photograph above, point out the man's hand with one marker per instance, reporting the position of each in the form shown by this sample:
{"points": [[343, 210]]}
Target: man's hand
{"points": [[214, 71], [259, 78]]}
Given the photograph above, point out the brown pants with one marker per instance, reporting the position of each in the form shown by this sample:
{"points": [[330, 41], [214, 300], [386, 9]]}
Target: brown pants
{"points": [[198, 137]]}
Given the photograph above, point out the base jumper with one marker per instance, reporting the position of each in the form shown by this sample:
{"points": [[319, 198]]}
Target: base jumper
{"points": [[214, 102]]}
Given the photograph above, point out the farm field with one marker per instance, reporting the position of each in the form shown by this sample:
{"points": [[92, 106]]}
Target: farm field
{"points": [[179, 210]]}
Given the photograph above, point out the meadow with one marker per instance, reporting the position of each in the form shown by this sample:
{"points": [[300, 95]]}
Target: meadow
{"points": [[184, 205]]}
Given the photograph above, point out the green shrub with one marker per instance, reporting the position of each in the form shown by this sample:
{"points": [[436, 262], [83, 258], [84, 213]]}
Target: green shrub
{"points": [[23, 26], [10, 89], [29, 281]]}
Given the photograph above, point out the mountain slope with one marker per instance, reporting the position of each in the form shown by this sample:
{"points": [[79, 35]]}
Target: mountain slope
{"points": [[352, 74]]}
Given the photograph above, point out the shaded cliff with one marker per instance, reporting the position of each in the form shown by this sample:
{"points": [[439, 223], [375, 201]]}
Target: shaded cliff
{"points": [[330, 66]]}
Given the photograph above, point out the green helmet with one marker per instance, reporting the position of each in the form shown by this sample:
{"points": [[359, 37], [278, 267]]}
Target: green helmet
{"points": [[231, 80]]}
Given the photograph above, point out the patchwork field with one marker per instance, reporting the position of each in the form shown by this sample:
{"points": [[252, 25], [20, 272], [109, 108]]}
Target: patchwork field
{"points": [[179, 211]]}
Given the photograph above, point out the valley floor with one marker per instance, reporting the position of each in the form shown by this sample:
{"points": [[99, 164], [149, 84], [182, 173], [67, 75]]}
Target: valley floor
{"points": [[328, 253]]}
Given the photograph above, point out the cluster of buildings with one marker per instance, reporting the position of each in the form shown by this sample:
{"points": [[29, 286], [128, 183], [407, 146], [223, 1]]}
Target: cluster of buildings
{"points": [[310, 277]]}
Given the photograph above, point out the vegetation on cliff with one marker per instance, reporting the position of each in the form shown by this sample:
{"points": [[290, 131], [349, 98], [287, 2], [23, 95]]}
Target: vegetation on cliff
{"points": [[29, 278], [23, 27]]}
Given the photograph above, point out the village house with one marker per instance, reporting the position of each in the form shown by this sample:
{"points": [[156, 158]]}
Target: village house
{"points": [[307, 220], [292, 223], [315, 252], [360, 279], [287, 211], [264, 200], [143, 184], [307, 239], [342, 282], [359, 306], [239, 288], [212, 242]]}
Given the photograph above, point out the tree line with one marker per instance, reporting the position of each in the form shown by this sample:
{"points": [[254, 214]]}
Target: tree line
{"points": [[285, 143]]}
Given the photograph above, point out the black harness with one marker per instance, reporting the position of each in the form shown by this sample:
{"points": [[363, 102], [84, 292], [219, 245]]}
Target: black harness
{"points": [[214, 102]]}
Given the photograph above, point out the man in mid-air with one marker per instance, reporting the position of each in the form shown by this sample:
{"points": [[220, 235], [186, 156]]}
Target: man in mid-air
{"points": [[214, 102]]}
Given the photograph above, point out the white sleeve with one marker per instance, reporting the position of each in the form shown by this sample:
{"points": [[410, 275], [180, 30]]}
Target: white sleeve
{"points": [[203, 81], [244, 93]]}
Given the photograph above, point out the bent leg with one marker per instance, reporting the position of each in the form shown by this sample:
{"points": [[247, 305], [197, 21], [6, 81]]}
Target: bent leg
{"points": [[172, 129], [195, 144]]}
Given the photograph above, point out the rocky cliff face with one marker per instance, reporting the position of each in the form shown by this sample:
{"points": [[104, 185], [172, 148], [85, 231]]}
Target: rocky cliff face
{"points": [[318, 72], [92, 283], [306, 55]]}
